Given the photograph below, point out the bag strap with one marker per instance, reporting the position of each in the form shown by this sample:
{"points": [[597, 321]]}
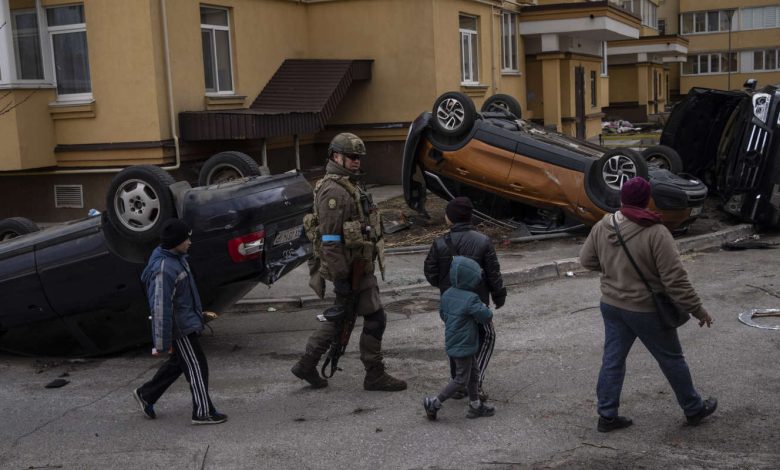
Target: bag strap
{"points": [[628, 253]]}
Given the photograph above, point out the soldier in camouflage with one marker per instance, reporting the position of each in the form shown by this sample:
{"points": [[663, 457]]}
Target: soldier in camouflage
{"points": [[346, 227]]}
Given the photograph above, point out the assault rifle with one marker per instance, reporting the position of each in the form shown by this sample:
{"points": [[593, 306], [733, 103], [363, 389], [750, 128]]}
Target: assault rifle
{"points": [[347, 322]]}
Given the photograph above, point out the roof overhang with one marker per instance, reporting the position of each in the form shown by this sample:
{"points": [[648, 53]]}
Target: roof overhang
{"points": [[596, 21], [299, 99], [671, 48]]}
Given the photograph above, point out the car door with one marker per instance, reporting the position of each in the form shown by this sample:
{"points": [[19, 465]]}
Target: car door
{"points": [[485, 161], [23, 297]]}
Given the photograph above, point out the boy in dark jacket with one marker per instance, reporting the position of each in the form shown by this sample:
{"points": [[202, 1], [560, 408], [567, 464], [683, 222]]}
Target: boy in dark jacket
{"points": [[177, 320], [463, 240], [461, 310]]}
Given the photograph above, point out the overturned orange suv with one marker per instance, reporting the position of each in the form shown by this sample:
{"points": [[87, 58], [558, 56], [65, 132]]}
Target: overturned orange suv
{"points": [[520, 174]]}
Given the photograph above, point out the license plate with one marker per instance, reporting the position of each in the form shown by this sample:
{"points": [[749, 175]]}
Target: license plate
{"points": [[695, 211], [288, 235]]}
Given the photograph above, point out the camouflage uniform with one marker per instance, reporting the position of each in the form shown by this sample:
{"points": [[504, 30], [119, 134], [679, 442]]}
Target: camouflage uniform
{"points": [[349, 228]]}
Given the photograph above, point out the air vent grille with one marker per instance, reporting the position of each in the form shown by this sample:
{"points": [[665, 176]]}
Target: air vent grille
{"points": [[69, 195]]}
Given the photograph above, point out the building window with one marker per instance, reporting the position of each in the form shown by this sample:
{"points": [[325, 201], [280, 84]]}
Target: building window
{"points": [[765, 60], [760, 17], [604, 64], [509, 42], [68, 37], [713, 63], [469, 58], [593, 97], [27, 45], [715, 21], [645, 9], [215, 33], [661, 27]]}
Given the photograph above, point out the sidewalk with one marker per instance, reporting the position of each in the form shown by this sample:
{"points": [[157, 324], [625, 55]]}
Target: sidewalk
{"points": [[520, 263]]}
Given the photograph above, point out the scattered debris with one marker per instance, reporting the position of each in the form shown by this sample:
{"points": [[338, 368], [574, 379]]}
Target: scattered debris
{"points": [[209, 316], [748, 317], [378, 430], [394, 221], [569, 273], [750, 243], [57, 383], [321, 317], [271, 309], [619, 126]]}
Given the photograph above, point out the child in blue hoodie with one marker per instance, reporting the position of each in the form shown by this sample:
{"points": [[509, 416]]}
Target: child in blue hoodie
{"points": [[461, 309]]}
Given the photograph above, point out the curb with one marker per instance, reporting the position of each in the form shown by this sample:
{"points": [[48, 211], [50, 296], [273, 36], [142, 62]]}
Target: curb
{"points": [[536, 272]]}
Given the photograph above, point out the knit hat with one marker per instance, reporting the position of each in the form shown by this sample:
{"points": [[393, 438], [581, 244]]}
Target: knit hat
{"points": [[635, 192], [459, 210], [174, 231]]}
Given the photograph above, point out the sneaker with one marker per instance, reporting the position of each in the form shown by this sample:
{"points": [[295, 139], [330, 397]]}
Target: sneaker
{"points": [[146, 408], [612, 424], [213, 418], [429, 403], [710, 405], [481, 412]]}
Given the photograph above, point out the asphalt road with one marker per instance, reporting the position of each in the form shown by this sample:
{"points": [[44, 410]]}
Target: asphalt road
{"points": [[541, 380]]}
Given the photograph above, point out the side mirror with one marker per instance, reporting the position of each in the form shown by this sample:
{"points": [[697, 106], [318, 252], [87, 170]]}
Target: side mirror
{"points": [[750, 84]]}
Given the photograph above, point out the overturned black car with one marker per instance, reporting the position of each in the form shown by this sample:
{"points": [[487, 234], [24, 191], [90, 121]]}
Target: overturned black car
{"points": [[730, 140], [75, 289]]}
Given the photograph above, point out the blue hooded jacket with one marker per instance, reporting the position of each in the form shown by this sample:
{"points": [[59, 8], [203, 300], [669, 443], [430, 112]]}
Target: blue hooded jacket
{"points": [[461, 308], [173, 297]]}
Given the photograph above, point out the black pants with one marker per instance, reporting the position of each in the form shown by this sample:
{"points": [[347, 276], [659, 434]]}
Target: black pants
{"points": [[187, 358], [487, 341], [466, 376]]}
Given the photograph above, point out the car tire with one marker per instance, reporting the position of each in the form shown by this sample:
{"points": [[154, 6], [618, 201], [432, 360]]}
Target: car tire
{"points": [[453, 114], [228, 166], [502, 102], [139, 202], [13, 227], [617, 166], [664, 157]]}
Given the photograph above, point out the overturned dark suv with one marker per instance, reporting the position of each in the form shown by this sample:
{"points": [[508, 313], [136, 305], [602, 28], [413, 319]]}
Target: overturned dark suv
{"points": [[730, 140]]}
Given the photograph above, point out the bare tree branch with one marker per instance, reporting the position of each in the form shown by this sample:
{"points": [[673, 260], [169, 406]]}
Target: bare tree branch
{"points": [[13, 104], [1, 25]]}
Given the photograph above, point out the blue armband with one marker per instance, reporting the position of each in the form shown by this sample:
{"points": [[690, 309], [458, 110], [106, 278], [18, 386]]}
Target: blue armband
{"points": [[331, 238]]}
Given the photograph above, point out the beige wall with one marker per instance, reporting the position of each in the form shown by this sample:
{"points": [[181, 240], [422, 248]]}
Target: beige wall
{"points": [[26, 131], [623, 83]]}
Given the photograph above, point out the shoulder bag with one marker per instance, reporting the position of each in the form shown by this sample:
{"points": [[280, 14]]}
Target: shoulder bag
{"points": [[670, 314]]}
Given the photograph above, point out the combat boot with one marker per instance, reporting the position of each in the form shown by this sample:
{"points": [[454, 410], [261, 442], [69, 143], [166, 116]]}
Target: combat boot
{"points": [[376, 377], [307, 371], [306, 367]]}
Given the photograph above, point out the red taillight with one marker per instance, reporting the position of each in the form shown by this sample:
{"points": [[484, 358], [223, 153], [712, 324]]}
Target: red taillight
{"points": [[247, 247]]}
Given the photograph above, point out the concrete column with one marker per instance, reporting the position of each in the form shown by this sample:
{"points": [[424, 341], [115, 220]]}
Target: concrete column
{"points": [[644, 82], [551, 88], [6, 44]]}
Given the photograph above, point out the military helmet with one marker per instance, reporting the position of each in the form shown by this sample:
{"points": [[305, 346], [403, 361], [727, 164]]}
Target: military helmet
{"points": [[346, 143]]}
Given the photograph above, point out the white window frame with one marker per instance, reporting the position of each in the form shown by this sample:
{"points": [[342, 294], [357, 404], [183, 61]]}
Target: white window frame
{"points": [[509, 62], [722, 59], [604, 63], [51, 31], [215, 71], [722, 19], [471, 36], [765, 52], [41, 42]]}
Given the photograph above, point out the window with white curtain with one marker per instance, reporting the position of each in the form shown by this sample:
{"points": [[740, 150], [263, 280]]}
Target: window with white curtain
{"points": [[469, 46], [760, 17], [68, 38], [215, 35], [509, 42]]}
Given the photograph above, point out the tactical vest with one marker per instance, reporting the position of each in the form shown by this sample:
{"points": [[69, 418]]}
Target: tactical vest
{"points": [[362, 238]]}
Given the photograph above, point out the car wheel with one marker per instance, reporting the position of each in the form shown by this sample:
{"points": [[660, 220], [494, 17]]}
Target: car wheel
{"points": [[664, 157], [502, 102], [620, 165], [227, 166], [453, 114], [139, 201], [16, 226]]}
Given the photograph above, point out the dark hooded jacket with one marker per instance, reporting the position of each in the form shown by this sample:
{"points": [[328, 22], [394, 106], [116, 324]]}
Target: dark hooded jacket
{"points": [[654, 251], [461, 308], [475, 245], [173, 297]]}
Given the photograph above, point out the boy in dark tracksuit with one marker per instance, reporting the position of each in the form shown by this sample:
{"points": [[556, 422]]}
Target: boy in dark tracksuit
{"points": [[461, 310], [463, 240], [177, 320]]}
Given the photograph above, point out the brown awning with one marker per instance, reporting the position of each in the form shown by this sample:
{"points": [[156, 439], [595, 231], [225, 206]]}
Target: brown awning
{"points": [[299, 99]]}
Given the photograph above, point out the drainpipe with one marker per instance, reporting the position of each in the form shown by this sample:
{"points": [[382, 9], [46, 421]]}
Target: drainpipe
{"points": [[297, 143], [175, 166]]}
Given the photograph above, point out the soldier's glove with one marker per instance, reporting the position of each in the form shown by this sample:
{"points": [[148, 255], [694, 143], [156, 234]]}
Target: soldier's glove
{"points": [[342, 288]]}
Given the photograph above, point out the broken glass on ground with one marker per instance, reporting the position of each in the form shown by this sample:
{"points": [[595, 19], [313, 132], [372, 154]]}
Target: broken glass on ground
{"points": [[749, 318]]}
